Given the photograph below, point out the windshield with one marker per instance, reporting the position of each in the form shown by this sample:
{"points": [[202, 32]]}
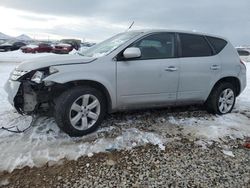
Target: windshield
{"points": [[109, 45]]}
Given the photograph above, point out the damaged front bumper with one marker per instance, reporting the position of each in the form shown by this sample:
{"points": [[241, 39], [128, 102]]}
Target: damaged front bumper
{"points": [[11, 88], [31, 98], [26, 96]]}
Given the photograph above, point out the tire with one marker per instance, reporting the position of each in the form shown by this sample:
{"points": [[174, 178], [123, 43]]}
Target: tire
{"points": [[216, 101], [67, 110]]}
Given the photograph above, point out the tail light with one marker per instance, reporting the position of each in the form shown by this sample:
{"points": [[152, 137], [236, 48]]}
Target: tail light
{"points": [[242, 62]]}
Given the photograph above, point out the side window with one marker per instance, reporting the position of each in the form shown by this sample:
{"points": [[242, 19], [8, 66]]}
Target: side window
{"points": [[194, 46], [217, 43], [157, 46]]}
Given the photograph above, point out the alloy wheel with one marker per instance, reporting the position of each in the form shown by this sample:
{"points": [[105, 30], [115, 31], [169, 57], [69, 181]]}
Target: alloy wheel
{"points": [[226, 100], [84, 112]]}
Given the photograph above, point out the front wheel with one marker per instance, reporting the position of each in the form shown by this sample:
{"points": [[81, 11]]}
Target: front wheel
{"points": [[222, 99], [79, 111]]}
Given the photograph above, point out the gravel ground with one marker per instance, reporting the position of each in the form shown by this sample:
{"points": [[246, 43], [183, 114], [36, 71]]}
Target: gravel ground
{"points": [[181, 164], [186, 161]]}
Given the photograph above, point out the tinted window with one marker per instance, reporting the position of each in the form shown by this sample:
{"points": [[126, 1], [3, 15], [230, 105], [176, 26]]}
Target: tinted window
{"points": [[157, 46], [44, 45], [217, 43], [194, 46], [243, 52], [18, 44]]}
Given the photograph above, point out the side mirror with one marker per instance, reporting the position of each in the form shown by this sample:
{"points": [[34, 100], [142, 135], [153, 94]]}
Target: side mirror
{"points": [[132, 52]]}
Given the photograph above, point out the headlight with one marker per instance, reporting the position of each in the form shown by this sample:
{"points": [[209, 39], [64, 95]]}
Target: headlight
{"points": [[37, 77], [16, 74], [40, 75], [34, 76]]}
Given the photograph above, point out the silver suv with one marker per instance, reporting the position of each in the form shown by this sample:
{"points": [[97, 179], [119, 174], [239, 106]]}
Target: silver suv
{"points": [[135, 69]]}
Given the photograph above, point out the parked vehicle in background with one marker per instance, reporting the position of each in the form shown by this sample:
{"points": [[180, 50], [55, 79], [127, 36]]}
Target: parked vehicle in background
{"points": [[67, 45], [132, 70], [62, 48], [40, 48], [11, 46], [244, 54], [76, 44]]}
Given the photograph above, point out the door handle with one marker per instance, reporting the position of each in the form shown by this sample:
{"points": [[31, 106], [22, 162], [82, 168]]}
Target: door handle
{"points": [[171, 69], [215, 67]]}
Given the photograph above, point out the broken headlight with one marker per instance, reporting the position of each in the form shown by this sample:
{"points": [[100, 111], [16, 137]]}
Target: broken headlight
{"points": [[16, 74], [39, 75]]}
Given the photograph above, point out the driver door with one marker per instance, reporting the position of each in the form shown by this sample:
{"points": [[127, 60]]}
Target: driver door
{"points": [[152, 79]]}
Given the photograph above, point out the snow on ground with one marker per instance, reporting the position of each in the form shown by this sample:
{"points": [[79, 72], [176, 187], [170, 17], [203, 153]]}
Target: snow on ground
{"points": [[44, 142], [18, 56]]}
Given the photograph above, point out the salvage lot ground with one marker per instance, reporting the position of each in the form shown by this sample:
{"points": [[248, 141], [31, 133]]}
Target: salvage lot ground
{"points": [[178, 146]]}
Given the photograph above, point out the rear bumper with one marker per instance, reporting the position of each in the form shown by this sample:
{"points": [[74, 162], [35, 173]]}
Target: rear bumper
{"points": [[12, 87]]}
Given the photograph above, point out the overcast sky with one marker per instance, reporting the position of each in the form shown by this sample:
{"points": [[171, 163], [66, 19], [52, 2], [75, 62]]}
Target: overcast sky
{"points": [[96, 20]]}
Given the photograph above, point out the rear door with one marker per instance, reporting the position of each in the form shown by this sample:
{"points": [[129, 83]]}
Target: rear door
{"points": [[199, 68], [152, 79]]}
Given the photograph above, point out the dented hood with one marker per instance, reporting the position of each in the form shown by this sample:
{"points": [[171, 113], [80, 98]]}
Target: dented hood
{"points": [[51, 60]]}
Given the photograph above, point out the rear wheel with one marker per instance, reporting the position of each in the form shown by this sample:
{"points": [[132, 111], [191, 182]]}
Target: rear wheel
{"points": [[222, 99], [80, 111]]}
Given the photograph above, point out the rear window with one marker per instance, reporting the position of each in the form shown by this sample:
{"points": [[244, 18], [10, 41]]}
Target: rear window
{"points": [[217, 43], [194, 46]]}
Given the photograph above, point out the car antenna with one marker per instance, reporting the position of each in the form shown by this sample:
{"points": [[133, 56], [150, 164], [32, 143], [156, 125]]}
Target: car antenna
{"points": [[131, 25]]}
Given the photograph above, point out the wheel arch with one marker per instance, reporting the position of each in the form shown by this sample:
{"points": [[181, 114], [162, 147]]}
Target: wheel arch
{"points": [[61, 87], [230, 79]]}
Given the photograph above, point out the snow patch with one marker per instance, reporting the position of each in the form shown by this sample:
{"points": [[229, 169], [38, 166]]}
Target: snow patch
{"points": [[229, 153], [63, 45], [46, 143], [234, 125], [18, 56], [31, 46], [4, 182]]}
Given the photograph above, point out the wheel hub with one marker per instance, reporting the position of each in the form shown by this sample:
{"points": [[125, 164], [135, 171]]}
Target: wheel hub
{"points": [[84, 111]]}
